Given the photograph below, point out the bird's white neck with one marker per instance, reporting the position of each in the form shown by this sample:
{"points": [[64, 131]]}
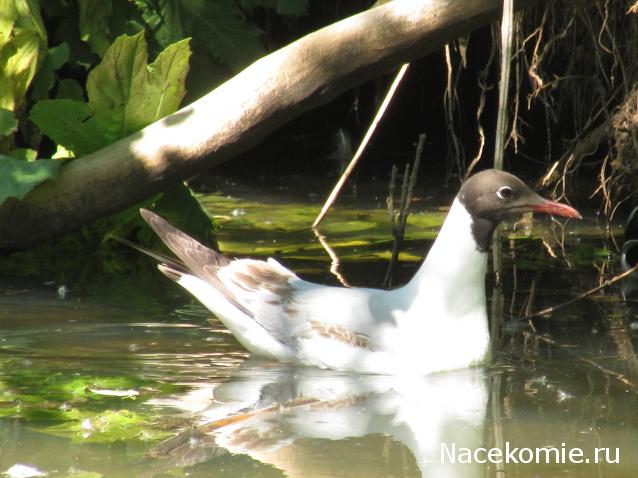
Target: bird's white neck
{"points": [[452, 275]]}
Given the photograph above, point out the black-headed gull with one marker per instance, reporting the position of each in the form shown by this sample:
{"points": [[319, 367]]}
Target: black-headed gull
{"points": [[435, 322]]}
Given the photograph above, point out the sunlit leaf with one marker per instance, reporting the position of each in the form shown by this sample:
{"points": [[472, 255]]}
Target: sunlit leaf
{"points": [[23, 154], [162, 88], [120, 74], [22, 43], [69, 123], [125, 94]]}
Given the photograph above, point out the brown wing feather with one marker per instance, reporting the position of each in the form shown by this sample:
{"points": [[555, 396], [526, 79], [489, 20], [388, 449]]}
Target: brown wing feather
{"points": [[169, 262], [197, 259], [261, 290]]}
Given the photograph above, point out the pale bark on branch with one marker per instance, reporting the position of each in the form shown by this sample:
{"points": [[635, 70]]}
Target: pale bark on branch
{"points": [[238, 114]]}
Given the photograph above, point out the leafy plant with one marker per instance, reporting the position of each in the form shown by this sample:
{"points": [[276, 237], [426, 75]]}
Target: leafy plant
{"points": [[125, 93], [80, 73], [23, 42]]}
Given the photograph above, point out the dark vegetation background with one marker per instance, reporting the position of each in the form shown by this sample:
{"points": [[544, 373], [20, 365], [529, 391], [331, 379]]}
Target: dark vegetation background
{"points": [[573, 107]]}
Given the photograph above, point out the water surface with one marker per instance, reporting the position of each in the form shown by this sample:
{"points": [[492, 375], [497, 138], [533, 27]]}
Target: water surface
{"points": [[134, 378]]}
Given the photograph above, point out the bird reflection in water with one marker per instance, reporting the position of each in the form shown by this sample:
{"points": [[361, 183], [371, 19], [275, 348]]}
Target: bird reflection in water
{"points": [[310, 422]]}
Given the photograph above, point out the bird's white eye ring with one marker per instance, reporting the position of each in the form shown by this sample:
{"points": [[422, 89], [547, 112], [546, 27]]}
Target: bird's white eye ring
{"points": [[505, 192]]}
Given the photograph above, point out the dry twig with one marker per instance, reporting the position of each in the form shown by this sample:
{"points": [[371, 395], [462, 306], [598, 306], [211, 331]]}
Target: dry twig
{"points": [[399, 217], [607, 283], [364, 142]]}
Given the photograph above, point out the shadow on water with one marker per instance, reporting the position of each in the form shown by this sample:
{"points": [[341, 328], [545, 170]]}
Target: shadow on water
{"points": [[93, 384]]}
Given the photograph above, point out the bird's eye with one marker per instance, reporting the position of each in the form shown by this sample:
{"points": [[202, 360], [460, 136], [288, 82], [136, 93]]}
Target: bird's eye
{"points": [[505, 192]]}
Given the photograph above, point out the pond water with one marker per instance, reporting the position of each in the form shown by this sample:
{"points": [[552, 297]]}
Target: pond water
{"points": [[129, 377]]}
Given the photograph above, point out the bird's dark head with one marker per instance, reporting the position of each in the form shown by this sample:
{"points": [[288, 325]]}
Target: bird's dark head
{"points": [[491, 196]]}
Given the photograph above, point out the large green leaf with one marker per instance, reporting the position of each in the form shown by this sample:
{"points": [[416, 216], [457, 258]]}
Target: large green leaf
{"points": [[220, 25], [230, 37], [164, 18], [125, 94], [18, 177], [164, 86], [22, 43], [111, 84], [133, 93], [69, 123]]}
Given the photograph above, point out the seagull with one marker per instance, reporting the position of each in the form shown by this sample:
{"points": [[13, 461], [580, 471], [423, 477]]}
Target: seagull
{"points": [[436, 322]]}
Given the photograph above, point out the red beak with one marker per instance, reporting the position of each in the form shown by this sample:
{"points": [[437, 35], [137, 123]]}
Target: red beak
{"points": [[556, 209]]}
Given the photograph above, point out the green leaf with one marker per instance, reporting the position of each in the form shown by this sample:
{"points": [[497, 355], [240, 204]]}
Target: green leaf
{"points": [[93, 24], [111, 84], [70, 89], [125, 94], [18, 178], [69, 123], [22, 43], [58, 56], [44, 80], [230, 38], [225, 34], [164, 19], [62, 153], [8, 122], [23, 154], [154, 91]]}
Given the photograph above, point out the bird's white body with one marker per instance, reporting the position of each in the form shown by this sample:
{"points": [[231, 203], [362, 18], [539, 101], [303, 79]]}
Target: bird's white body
{"points": [[435, 322]]}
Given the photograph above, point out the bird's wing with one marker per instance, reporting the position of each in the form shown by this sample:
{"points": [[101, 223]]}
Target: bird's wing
{"points": [[287, 307], [267, 290], [196, 259]]}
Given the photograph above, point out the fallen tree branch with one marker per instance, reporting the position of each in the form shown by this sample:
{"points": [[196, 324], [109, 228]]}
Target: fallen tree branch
{"points": [[238, 114]]}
